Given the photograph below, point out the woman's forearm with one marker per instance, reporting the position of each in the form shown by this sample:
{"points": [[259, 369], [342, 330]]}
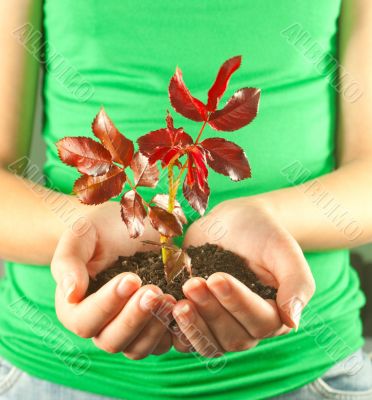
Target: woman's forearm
{"points": [[32, 219], [332, 211], [335, 210]]}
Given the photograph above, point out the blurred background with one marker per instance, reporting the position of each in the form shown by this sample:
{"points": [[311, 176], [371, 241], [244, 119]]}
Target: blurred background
{"points": [[361, 257]]}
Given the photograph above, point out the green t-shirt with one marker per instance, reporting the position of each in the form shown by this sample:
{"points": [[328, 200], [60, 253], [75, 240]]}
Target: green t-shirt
{"points": [[121, 53]]}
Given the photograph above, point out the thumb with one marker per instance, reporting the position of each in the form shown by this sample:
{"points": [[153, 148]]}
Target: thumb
{"points": [[69, 263], [209, 228], [296, 284]]}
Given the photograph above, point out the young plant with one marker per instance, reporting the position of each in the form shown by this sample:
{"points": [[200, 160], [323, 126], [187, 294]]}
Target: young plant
{"points": [[103, 165]]}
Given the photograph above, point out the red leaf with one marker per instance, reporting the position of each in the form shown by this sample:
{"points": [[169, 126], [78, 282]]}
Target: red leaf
{"points": [[177, 261], [196, 157], [158, 154], [98, 189], [161, 139], [239, 111], [153, 141], [172, 154], [133, 213], [164, 222], [120, 148], [162, 200], [182, 100], [88, 156], [144, 173], [196, 196], [178, 137], [169, 121], [218, 88], [164, 144], [227, 158], [190, 176]]}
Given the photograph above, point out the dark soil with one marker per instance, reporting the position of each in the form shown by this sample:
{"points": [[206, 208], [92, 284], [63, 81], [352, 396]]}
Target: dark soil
{"points": [[206, 260]]}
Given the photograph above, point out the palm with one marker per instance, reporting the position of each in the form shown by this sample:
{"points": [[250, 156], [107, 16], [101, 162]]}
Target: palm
{"points": [[106, 238], [251, 234]]}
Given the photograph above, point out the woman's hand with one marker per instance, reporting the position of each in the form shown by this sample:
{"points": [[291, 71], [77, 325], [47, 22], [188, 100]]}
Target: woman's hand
{"points": [[220, 313], [122, 316]]}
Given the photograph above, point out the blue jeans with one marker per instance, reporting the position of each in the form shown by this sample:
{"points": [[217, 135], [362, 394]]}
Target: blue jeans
{"points": [[348, 380]]}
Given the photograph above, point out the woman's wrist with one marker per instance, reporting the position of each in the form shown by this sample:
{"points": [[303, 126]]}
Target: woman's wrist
{"points": [[274, 205], [259, 202], [266, 203], [66, 213]]}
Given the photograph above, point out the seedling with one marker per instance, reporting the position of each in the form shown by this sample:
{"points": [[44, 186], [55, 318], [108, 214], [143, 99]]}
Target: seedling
{"points": [[104, 165]]}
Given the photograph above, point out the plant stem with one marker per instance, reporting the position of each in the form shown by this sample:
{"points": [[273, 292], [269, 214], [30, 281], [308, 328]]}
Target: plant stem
{"points": [[184, 166], [182, 170], [164, 252], [171, 202], [201, 131], [173, 185], [172, 195]]}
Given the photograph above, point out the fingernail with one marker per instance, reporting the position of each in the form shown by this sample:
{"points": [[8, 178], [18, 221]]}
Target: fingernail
{"points": [[127, 286], [221, 286], [182, 314], [68, 286], [296, 309], [196, 291], [148, 299]]}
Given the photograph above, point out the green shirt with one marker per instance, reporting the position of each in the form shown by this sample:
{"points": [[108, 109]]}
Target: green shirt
{"points": [[121, 54]]}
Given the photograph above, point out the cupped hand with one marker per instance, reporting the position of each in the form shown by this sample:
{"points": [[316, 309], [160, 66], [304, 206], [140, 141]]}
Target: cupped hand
{"points": [[122, 316], [221, 314]]}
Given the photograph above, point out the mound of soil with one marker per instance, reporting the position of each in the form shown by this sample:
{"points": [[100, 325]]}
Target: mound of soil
{"points": [[205, 260]]}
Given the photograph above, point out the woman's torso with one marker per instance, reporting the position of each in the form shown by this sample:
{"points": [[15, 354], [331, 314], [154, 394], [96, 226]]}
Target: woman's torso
{"points": [[121, 54]]}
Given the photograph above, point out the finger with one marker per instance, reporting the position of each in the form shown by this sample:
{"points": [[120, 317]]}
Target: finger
{"points": [[235, 338], [255, 314], [196, 330], [296, 284], [164, 345], [69, 263], [153, 332], [88, 318], [128, 324], [180, 341], [284, 330]]}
